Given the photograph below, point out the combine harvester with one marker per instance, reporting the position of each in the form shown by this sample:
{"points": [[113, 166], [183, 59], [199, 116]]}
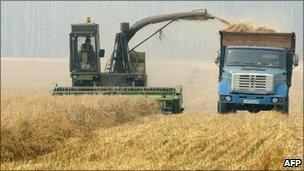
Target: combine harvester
{"points": [[126, 70]]}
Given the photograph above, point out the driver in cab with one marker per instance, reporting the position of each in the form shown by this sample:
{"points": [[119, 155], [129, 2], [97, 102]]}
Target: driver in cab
{"points": [[86, 54]]}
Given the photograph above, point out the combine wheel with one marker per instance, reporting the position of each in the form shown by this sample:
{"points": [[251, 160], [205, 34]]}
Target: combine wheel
{"points": [[177, 108], [172, 108], [167, 108]]}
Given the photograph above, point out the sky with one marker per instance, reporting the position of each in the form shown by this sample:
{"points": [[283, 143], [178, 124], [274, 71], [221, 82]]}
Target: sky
{"points": [[41, 29]]}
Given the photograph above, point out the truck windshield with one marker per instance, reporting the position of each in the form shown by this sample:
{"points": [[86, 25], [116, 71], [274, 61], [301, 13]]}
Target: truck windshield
{"points": [[255, 57]]}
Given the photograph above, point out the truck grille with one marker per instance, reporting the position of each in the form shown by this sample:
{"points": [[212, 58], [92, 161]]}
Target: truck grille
{"points": [[252, 83]]}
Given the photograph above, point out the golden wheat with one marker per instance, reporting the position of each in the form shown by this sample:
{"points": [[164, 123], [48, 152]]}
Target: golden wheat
{"points": [[248, 27], [181, 142], [82, 133], [32, 125]]}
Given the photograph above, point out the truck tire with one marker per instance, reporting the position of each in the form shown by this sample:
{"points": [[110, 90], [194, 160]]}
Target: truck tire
{"points": [[256, 110], [232, 110], [222, 108], [284, 108]]}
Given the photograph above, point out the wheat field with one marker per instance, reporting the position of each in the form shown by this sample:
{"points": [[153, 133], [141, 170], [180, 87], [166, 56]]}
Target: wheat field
{"points": [[39, 131]]}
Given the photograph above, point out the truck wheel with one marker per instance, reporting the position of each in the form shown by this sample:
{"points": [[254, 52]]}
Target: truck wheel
{"points": [[284, 107], [254, 110], [232, 110], [222, 108]]}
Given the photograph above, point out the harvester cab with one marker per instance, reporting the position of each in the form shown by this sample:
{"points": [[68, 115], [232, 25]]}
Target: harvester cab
{"points": [[125, 72], [85, 54]]}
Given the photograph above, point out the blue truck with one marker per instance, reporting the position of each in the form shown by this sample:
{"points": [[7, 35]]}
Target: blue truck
{"points": [[255, 71]]}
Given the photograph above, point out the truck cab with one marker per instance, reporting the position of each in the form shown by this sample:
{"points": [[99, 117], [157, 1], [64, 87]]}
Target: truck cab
{"points": [[255, 71]]}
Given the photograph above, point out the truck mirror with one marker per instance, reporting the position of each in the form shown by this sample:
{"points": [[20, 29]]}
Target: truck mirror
{"points": [[295, 60], [101, 53], [216, 61], [217, 58]]}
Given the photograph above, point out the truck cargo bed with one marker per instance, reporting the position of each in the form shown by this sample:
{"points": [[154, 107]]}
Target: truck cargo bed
{"points": [[280, 40]]}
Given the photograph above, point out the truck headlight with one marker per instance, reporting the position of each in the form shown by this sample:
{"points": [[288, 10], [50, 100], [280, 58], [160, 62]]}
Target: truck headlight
{"points": [[228, 98], [274, 100]]}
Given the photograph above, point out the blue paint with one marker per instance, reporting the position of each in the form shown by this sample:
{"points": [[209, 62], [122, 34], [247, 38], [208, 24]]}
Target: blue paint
{"points": [[223, 87], [281, 90]]}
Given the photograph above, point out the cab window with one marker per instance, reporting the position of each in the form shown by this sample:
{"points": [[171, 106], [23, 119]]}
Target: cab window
{"points": [[85, 53]]}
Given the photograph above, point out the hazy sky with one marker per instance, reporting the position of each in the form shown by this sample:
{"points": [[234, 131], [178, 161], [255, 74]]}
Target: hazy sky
{"points": [[41, 29]]}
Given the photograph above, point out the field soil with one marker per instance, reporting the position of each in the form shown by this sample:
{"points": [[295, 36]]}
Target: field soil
{"points": [[39, 131]]}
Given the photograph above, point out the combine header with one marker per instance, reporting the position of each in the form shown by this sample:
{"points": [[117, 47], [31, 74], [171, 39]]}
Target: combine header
{"points": [[170, 97], [126, 69]]}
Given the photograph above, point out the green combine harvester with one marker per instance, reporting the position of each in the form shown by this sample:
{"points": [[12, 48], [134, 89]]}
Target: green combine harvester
{"points": [[125, 72]]}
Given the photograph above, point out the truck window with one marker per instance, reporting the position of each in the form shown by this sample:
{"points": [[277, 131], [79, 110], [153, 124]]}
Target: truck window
{"points": [[255, 57]]}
